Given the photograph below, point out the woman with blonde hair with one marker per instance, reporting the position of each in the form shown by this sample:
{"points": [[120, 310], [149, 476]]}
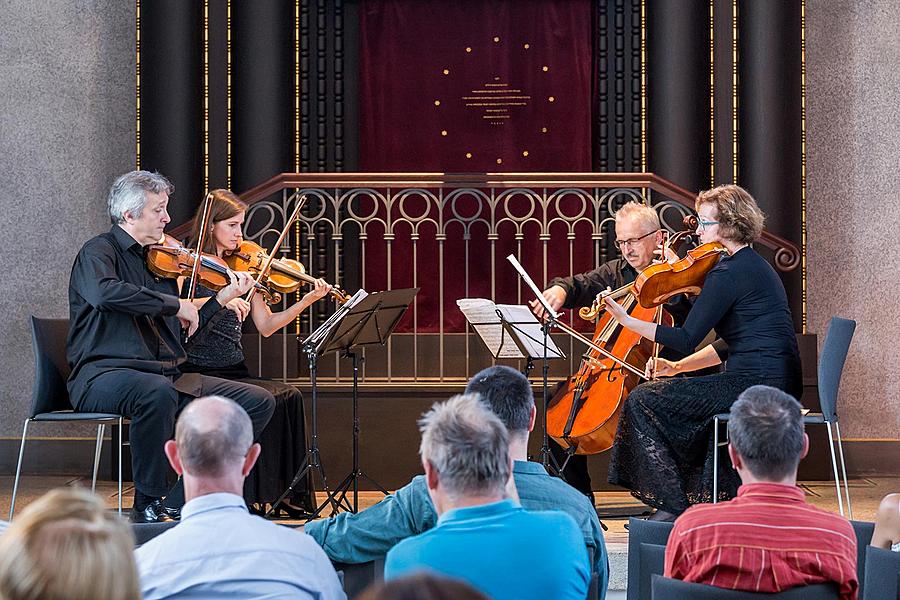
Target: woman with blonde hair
{"points": [[663, 450], [66, 546]]}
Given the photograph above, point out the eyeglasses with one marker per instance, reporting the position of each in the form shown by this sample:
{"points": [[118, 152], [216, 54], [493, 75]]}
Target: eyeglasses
{"points": [[622, 243], [703, 223]]}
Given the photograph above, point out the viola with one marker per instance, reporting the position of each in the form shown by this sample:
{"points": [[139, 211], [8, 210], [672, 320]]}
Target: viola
{"points": [[284, 275], [170, 259], [661, 281], [584, 413]]}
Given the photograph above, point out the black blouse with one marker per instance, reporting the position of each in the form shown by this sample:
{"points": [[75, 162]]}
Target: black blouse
{"points": [[744, 300]]}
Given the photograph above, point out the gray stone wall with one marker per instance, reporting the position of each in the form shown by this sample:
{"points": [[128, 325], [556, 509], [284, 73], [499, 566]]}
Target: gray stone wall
{"points": [[66, 130], [853, 145]]}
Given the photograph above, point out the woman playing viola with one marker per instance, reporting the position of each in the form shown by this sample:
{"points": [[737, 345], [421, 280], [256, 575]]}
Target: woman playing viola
{"points": [[221, 354], [663, 448]]}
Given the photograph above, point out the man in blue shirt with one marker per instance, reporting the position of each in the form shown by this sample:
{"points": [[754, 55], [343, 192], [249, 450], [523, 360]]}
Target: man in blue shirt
{"points": [[368, 535], [482, 536], [219, 550]]}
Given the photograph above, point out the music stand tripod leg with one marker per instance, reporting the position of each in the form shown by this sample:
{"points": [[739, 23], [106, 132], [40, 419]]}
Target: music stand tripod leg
{"points": [[352, 479], [312, 461]]}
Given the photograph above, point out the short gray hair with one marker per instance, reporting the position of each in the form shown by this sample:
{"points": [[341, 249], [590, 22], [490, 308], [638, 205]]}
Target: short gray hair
{"points": [[766, 429], [467, 445], [129, 193], [211, 434], [642, 212]]}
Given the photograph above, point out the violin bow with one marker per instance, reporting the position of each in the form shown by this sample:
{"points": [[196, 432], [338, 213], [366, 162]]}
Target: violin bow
{"points": [[201, 239], [301, 202]]}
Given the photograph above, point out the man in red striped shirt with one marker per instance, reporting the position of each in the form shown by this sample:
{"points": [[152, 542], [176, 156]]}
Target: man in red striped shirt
{"points": [[767, 539]]}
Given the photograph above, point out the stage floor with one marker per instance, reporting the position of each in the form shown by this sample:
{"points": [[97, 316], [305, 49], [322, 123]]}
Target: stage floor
{"points": [[614, 507]]}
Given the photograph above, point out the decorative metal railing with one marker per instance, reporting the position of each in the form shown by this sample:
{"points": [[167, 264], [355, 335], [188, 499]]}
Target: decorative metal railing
{"points": [[448, 235]]}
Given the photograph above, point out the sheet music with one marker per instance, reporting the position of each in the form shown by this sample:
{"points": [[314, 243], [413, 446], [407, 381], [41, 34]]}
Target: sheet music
{"points": [[482, 315], [319, 334], [529, 330], [534, 288]]}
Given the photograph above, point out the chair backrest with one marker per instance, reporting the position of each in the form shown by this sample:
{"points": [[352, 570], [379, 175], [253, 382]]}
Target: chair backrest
{"points": [[144, 532], [51, 368], [640, 532], [674, 589], [653, 562], [831, 363], [882, 568], [863, 531]]}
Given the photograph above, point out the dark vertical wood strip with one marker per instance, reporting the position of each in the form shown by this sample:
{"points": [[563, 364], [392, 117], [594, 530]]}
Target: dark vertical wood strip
{"points": [[678, 91], [217, 90], [338, 85], [770, 121], [723, 140], [321, 88], [262, 90], [304, 86], [619, 89], [172, 98]]}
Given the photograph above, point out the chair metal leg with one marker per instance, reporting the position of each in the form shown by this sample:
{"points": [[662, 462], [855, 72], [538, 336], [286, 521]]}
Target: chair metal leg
{"points": [[121, 421], [837, 431], [12, 506], [837, 481], [97, 449], [715, 497]]}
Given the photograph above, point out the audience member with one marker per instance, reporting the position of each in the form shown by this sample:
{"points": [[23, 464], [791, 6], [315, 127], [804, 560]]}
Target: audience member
{"points": [[219, 550], [368, 535], [768, 538], [482, 536], [887, 524], [422, 586], [65, 546]]}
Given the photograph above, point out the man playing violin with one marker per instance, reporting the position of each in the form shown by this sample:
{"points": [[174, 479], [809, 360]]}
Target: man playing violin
{"points": [[219, 352], [639, 237], [125, 332]]}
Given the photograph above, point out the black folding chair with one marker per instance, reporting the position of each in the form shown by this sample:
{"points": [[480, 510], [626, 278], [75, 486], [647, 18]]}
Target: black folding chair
{"points": [[50, 397]]}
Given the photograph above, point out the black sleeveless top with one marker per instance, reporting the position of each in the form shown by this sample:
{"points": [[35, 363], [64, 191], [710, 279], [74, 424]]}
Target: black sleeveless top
{"points": [[218, 346]]}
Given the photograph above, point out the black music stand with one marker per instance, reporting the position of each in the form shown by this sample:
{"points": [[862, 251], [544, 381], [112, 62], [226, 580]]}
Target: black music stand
{"points": [[371, 321], [494, 325]]}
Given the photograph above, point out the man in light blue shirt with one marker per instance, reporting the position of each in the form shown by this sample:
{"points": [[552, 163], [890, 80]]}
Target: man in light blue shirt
{"points": [[482, 536], [368, 535], [219, 550]]}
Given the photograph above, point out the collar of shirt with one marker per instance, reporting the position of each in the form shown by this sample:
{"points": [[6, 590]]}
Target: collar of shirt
{"points": [[210, 502], [483, 511], [529, 467], [124, 239], [776, 491]]}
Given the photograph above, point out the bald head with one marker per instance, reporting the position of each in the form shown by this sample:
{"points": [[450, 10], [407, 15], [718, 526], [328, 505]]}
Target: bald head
{"points": [[213, 435]]}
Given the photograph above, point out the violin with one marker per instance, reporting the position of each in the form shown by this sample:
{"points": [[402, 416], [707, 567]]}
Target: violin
{"points": [[661, 281], [285, 275], [170, 259]]}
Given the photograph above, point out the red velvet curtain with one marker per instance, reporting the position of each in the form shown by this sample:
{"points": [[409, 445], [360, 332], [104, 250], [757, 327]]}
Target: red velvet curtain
{"points": [[470, 86]]}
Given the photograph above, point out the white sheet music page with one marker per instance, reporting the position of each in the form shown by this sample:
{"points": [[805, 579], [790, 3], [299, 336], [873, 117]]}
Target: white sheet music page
{"points": [[529, 331], [482, 315]]}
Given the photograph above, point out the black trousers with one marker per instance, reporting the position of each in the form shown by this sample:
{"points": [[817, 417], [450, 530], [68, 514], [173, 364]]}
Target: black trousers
{"points": [[153, 401]]}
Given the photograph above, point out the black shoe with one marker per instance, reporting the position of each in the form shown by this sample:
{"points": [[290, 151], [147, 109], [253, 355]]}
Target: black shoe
{"points": [[172, 513], [152, 513]]}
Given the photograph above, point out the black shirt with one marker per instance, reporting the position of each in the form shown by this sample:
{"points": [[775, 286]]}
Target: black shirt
{"points": [[744, 300], [582, 289], [121, 316]]}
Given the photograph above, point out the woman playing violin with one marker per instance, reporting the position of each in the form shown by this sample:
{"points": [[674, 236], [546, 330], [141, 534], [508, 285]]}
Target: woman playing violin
{"points": [[663, 448], [221, 354]]}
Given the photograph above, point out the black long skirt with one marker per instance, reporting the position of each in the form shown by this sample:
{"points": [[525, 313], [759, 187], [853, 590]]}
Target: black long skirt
{"points": [[663, 451]]}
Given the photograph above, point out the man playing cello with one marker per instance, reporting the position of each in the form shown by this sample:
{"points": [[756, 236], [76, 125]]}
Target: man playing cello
{"points": [[639, 238]]}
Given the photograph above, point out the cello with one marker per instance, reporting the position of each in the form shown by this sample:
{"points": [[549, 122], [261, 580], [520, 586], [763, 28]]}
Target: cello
{"points": [[584, 413]]}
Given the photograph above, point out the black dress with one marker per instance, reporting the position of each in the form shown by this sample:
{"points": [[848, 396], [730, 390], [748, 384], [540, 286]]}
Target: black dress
{"points": [[283, 441], [663, 448]]}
